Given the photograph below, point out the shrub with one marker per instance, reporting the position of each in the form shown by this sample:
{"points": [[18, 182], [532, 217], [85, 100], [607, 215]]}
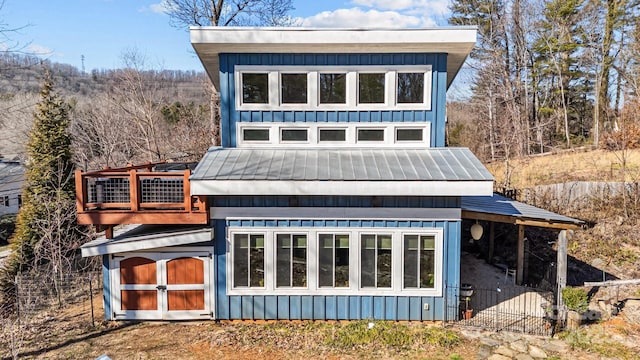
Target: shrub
{"points": [[575, 299]]}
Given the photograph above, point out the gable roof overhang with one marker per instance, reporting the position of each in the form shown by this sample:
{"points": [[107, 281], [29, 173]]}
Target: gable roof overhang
{"points": [[341, 172], [136, 237], [211, 41], [498, 208]]}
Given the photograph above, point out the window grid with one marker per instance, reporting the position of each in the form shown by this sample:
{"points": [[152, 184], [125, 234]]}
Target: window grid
{"points": [[264, 272]]}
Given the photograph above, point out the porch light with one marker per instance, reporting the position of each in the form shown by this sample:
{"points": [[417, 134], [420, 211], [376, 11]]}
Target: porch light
{"points": [[476, 231]]}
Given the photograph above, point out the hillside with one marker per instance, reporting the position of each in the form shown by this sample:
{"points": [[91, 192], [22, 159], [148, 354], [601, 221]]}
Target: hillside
{"points": [[611, 244], [118, 115]]}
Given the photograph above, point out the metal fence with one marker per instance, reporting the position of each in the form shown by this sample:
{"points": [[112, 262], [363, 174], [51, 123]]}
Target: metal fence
{"points": [[42, 292], [511, 308]]}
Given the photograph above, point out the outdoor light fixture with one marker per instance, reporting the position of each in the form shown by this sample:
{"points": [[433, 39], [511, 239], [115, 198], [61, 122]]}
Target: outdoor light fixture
{"points": [[476, 231]]}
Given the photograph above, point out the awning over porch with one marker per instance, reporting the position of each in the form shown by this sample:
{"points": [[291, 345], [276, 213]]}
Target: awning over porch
{"points": [[358, 171], [145, 237], [498, 208]]}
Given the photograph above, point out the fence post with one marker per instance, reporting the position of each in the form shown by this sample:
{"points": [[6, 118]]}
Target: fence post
{"points": [[17, 283], [93, 323]]}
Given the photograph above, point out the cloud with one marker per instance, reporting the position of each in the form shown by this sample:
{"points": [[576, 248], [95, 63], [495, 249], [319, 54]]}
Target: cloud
{"points": [[162, 7], [416, 7], [357, 18], [40, 50]]}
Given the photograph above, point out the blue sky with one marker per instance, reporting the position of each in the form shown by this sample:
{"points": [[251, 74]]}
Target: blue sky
{"points": [[102, 30]]}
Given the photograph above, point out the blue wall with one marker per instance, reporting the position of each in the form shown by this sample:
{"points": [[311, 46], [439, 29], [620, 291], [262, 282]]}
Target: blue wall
{"points": [[351, 307], [230, 116]]}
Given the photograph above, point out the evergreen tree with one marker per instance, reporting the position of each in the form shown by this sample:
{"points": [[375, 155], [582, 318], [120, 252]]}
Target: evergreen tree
{"points": [[46, 230]]}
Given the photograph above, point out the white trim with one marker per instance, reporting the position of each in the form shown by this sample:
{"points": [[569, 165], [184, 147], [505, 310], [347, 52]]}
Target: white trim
{"points": [[352, 85], [336, 213], [351, 132], [397, 235], [359, 188], [138, 242], [210, 42]]}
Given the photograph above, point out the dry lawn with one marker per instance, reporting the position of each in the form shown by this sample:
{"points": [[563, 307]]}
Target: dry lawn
{"points": [[595, 165], [68, 334]]}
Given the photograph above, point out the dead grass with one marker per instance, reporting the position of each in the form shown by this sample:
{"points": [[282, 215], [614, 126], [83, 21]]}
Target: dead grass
{"points": [[68, 334], [596, 165]]}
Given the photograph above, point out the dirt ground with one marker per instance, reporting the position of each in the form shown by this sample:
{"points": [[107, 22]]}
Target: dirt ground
{"points": [[68, 334]]}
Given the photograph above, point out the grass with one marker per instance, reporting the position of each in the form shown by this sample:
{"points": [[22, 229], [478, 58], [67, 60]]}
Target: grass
{"points": [[5, 247], [582, 340], [596, 165]]}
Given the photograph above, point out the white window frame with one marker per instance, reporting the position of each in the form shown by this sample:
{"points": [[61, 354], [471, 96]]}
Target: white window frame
{"points": [[351, 133], [397, 236], [275, 257], [428, 84], [351, 92], [435, 274]]}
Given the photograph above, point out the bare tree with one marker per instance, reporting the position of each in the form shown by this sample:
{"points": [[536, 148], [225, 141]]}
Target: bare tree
{"points": [[184, 13]]}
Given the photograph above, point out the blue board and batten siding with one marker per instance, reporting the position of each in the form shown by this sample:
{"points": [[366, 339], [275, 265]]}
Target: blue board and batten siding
{"points": [[436, 116], [347, 307]]}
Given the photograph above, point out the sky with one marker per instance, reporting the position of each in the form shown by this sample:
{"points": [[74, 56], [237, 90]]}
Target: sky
{"points": [[101, 31]]}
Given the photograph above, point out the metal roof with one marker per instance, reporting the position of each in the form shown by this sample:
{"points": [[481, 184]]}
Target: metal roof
{"points": [[11, 176], [210, 41], [502, 206], [137, 237], [417, 168]]}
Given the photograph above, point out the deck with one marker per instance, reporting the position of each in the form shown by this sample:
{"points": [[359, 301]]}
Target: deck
{"points": [[137, 195]]}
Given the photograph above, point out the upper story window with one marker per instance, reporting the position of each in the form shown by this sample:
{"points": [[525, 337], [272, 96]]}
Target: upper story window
{"points": [[293, 88], [255, 88], [371, 88], [333, 87], [334, 134], [294, 135], [410, 88]]}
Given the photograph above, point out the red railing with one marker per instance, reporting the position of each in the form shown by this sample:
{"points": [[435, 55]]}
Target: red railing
{"points": [[137, 195]]}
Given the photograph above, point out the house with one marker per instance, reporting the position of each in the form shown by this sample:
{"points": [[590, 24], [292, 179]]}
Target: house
{"points": [[11, 180], [332, 196]]}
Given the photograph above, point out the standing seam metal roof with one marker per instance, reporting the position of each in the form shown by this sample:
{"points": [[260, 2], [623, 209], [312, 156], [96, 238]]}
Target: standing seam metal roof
{"points": [[360, 164]]}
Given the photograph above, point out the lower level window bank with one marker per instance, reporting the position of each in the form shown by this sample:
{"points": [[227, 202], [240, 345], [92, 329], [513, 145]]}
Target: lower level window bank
{"points": [[334, 261]]}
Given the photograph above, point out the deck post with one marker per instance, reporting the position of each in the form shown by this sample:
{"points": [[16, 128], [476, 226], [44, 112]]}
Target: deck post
{"points": [[520, 266], [134, 189], [186, 186], [561, 270], [80, 191]]}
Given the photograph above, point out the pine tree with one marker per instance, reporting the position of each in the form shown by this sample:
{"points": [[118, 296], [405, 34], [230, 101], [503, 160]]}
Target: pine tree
{"points": [[46, 230]]}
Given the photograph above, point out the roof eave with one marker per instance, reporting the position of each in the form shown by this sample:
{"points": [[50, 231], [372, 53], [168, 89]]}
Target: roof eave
{"points": [[209, 42]]}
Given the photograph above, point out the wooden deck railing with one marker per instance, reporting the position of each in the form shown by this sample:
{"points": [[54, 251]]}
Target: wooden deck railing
{"points": [[137, 195]]}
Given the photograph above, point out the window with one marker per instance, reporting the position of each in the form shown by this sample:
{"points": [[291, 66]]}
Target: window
{"points": [[255, 134], [333, 260], [332, 134], [19, 200], [370, 134], [333, 88], [375, 260], [294, 134], [291, 260], [408, 134], [419, 261], [5, 201], [371, 88], [293, 88], [255, 88], [302, 260], [248, 260], [410, 88]]}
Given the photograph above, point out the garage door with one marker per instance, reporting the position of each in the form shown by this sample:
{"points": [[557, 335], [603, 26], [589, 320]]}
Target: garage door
{"points": [[162, 286]]}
